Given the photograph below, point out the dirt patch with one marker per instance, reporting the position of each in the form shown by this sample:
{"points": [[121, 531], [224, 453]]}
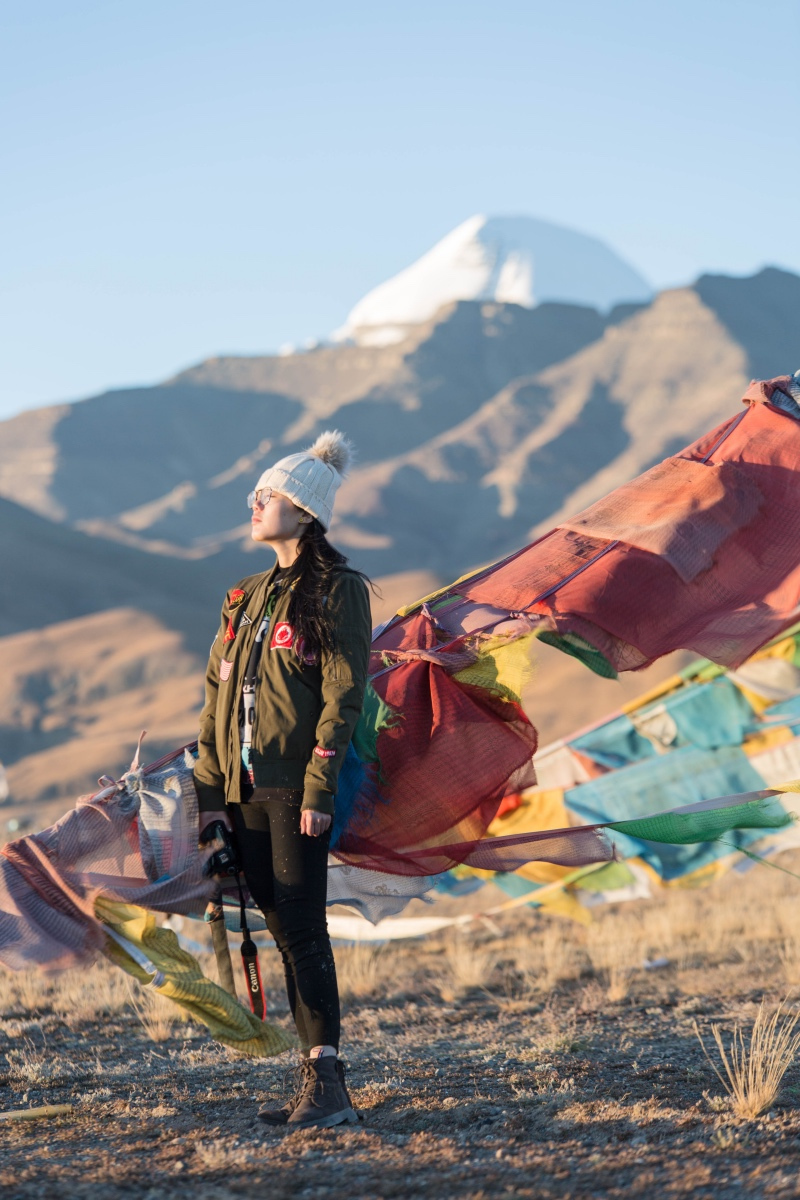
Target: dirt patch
{"points": [[533, 1084]]}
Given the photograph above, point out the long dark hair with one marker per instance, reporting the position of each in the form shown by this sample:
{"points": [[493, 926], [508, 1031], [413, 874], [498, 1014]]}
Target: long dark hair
{"points": [[310, 577]]}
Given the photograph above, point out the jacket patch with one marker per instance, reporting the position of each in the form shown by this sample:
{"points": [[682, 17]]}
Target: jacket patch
{"points": [[230, 633], [282, 636], [225, 669], [323, 752], [237, 596], [245, 620]]}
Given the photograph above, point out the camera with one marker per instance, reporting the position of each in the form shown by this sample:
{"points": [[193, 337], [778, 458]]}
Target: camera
{"points": [[224, 860]]}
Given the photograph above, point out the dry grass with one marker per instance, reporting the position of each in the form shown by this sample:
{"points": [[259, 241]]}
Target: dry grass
{"points": [[557, 956], [82, 995], [157, 1015], [35, 1067], [615, 950], [358, 970], [88, 995], [754, 1070], [224, 1154], [560, 1031], [737, 927], [466, 966], [789, 955]]}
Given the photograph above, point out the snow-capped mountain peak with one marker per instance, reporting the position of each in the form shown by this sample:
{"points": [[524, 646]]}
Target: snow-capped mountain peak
{"points": [[513, 260]]}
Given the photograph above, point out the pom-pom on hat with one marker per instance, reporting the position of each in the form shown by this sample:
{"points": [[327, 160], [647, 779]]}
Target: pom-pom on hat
{"points": [[310, 478]]}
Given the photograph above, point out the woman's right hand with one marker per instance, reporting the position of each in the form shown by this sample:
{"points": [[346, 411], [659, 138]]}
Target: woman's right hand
{"points": [[220, 858], [208, 818], [314, 823]]}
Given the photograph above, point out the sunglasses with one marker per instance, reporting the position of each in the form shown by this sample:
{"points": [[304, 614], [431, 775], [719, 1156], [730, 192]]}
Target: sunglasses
{"points": [[261, 498]]}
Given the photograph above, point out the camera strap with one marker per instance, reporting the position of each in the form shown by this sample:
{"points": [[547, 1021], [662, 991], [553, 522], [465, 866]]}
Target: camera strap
{"points": [[225, 862], [215, 915], [252, 971]]}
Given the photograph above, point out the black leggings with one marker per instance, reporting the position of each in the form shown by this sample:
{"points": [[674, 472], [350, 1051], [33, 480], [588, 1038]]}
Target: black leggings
{"points": [[287, 874]]}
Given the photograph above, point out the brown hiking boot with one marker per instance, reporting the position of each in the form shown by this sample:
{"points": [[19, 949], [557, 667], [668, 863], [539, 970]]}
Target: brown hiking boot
{"points": [[280, 1116], [341, 1072], [324, 1100]]}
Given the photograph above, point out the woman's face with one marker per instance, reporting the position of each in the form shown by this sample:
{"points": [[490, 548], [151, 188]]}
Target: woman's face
{"points": [[279, 520]]}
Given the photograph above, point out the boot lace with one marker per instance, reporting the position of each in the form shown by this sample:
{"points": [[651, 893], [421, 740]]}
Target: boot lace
{"points": [[311, 1080], [293, 1078], [291, 1084]]}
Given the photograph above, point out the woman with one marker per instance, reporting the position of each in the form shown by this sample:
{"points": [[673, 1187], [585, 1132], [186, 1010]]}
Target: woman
{"points": [[284, 690]]}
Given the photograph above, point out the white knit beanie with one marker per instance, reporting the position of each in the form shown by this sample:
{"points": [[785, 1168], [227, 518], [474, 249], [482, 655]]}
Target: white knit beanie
{"points": [[310, 478]]}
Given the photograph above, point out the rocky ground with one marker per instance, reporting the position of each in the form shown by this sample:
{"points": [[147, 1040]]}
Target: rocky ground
{"points": [[536, 1059]]}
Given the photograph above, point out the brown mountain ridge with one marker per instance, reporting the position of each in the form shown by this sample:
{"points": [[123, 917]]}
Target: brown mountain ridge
{"points": [[482, 425]]}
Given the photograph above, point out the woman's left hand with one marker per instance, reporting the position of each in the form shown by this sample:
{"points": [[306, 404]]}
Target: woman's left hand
{"points": [[314, 823]]}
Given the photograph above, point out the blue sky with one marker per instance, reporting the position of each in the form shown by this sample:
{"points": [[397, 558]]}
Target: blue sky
{"points": [[187, 179]]}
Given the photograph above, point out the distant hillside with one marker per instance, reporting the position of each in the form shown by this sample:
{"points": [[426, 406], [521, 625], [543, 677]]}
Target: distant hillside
{"points": [[52, 573], [76, 693], [483, 424], [168, 468]]}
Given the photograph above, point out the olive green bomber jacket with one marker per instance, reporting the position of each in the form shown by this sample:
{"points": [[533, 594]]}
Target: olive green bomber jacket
{"points": [[305, 711]]}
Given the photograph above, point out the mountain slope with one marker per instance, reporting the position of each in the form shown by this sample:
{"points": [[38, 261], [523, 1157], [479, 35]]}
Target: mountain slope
{"points": [[761, 314], [168, 468], [76, 693], [123, 449], [486, 423], [553, 442], [52, 573]]}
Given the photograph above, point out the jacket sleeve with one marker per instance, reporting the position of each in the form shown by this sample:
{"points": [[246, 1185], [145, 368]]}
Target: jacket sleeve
{"points": [[209, 780], [344, 678]]}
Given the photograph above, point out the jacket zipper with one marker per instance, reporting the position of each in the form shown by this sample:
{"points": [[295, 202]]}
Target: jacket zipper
{"points": [[264, 650]]}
